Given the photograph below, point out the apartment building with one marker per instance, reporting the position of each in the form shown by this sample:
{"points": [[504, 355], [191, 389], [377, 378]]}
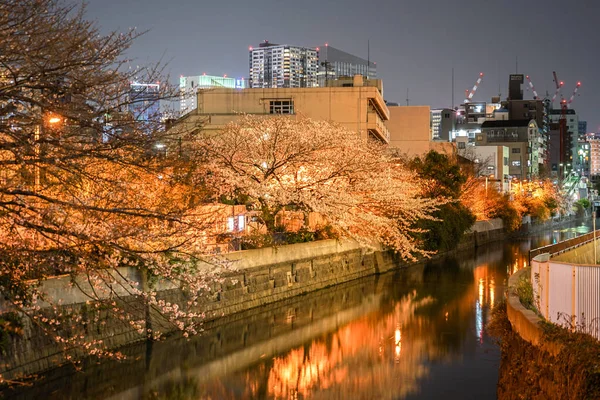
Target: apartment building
{"points": [[283, 66]]}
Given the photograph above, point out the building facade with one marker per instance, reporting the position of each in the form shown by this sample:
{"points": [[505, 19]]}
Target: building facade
{"points": [[189, 86], [524, 141], [144, 101], [491, 162], [282, 66], [443, 123], [354, 103], [335, 63], [594, 142], [571, 137], [410, 131]]}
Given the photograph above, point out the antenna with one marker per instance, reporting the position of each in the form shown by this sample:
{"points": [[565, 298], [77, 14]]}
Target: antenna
{"points": [[368, 57], [407, 100], [516, 64], [452, 88]]}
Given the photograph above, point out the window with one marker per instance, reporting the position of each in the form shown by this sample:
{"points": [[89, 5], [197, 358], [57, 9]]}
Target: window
{"points": [[461, 145], [479, 138], [516, 150], [446, 115], [281, 107], [516, 163], [505, 161]]}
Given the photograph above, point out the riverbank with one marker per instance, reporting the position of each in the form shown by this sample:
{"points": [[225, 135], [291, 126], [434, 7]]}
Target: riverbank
{"points": [[262, 276], [542, 360]]}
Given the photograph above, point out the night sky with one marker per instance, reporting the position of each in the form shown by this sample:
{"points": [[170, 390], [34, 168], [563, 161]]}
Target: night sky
{"points": [[415, 43]]}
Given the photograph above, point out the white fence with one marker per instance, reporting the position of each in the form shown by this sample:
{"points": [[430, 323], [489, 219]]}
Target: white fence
{"points": [[567, 294]]}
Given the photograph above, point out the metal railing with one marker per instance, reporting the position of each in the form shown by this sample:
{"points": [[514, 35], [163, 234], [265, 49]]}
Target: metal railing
{"points": [[564, 245]]}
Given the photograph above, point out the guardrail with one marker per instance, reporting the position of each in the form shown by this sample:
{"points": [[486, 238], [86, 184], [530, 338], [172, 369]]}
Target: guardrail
{"points": [[564, 246]]}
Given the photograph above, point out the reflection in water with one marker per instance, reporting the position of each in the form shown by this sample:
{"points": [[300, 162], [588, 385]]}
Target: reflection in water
{"points": [[418, 332], [359, 358]]}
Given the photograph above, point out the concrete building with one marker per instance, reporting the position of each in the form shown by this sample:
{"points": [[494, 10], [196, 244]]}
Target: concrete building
{"points": [[527, 109], [492, 162], [354, 103], [594, 141], [515, 87], [410, 133], [189, 86], [582, 128], [572, 129], [282, 66], [335, 63], [523, 139], [144, 101], [443, 123]]}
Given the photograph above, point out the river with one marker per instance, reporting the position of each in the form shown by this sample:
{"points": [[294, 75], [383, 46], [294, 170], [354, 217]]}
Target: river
{"points": [[416, 333]]}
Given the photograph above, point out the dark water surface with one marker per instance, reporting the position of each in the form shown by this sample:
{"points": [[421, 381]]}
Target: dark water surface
{"points": [[418, 333]]}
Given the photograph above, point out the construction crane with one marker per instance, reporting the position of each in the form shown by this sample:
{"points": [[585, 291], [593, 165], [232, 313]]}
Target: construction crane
{"points": [[558, 86], [535, 95], [574, 93], [469, 95]]}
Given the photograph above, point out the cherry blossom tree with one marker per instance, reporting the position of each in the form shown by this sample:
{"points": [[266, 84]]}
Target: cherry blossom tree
{"points": [[281, 162], [83, 190]]}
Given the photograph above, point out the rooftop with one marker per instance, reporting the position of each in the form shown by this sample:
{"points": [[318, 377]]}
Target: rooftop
{"points": [[515, 123]]}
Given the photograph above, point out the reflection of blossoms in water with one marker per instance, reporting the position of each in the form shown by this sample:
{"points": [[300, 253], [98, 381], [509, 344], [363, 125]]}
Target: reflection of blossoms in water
{"points": [[370, 358]]}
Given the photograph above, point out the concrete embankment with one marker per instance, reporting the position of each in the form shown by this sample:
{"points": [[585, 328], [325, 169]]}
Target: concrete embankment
{"points": [[540, 361], [261, 277]]}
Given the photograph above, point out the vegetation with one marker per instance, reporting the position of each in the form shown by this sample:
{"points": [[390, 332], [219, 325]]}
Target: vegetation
{"points": [[534, 372], [524, 289], [581, 206], [445, 180], [83, 191], [313, 166]]}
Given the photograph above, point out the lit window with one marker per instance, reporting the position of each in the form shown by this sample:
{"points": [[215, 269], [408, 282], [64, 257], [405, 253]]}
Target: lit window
{"points": [[516, 163]]}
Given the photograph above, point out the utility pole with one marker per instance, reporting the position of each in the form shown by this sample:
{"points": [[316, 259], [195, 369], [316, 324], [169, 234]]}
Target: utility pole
{"points": [[452, 88]]}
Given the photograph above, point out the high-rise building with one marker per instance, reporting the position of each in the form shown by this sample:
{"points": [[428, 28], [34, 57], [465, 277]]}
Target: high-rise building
{"points": [[594, 141], [334, 63], [189, 85], [144, 101], [582, 127], [283, 66], [571, 136]]}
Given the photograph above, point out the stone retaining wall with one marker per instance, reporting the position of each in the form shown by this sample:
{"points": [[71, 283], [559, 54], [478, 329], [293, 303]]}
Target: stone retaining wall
{"points": [[261, 276]]}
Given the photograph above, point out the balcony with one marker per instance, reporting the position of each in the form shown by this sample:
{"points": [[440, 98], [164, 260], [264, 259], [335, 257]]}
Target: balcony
{"points": [[376, 126]]}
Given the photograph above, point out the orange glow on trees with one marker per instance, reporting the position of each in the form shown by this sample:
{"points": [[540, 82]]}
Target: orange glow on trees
{"points": [[317, 166], [81, 193]]}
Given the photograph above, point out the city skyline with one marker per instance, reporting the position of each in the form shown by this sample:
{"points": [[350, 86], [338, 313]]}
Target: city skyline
{"points": [[416, 44]]}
